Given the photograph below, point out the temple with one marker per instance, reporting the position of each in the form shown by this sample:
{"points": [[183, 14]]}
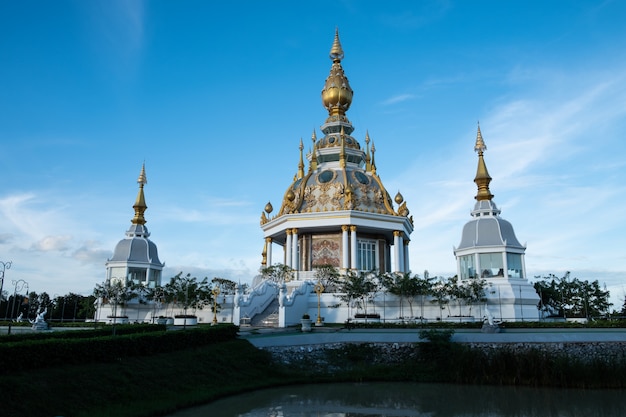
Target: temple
{"points": [[337, 215]]}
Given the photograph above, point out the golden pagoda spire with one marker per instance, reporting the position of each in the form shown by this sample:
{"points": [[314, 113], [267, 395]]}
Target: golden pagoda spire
{"points": [[140, 203], [482, 178], [368, 165], [313, 165], [373, 163], [301, 163], [337, 94]]}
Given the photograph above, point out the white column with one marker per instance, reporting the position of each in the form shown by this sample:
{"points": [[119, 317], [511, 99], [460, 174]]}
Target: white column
{"points": [[397, 251], [353, 247], [505, 266], [268, 254], [288, 248], [406, 256], [524, 266], [294, 249], [345, 248]]}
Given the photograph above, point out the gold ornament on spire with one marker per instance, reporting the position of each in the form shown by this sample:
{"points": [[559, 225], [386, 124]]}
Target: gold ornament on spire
{"points": [[140, 203], [337, 94], [301, 163], [482, 178]]}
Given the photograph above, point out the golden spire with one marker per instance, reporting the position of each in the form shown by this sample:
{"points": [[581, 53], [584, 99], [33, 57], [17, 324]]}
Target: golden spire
{"points": [[368, 165], [140, 203], [313, 165], [336, 52], [373, 163], [336, 94], [301, 163], [482, 178]]}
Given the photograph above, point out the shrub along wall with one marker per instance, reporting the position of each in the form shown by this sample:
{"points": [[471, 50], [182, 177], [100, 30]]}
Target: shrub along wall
{"points": [[102, 331], [572, 365], [36, 354]]}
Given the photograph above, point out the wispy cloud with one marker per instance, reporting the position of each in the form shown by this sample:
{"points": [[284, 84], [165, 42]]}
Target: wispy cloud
{"points": [[398, 99]]}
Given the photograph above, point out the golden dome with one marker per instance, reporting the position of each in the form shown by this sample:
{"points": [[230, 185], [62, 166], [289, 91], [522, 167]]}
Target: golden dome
{"points": [[336, 94], [290, 195]]}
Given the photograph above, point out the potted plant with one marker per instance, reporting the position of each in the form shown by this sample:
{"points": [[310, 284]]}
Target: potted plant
{"points": [[306, 322]]}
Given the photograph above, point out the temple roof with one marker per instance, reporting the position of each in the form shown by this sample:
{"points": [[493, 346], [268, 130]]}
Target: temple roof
{"points": [[341, 175]]}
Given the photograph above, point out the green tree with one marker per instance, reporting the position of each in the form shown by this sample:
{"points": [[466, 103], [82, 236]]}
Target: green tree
{"points": [[115, 292], [358, 286], [565, 297], [188, 293], [328, 276], [278, 273]]}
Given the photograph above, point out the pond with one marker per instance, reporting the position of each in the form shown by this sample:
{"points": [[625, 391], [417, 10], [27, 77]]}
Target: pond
{"points": [[415, 400]]}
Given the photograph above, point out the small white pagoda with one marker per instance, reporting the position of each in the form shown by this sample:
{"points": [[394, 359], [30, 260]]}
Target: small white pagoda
{"points": [[490, 250]]}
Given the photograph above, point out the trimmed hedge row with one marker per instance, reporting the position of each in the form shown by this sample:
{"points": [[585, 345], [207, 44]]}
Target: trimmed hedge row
{"points": [[120, 329], [37, 354]]}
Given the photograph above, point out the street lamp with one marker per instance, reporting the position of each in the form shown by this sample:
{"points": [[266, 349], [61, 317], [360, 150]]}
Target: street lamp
{"points": [[215, 292], [3, 267], [319, 289], [19, 286]]}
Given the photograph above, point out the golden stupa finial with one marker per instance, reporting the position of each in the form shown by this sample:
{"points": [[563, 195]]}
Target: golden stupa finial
{"points": [[140, 203], [336, 52], [337, 94], [301, 163], [368, 165], [313, 165], [482, 178]]}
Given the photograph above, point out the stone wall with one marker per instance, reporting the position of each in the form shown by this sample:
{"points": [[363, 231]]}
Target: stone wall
{"points": [[328, 356]]}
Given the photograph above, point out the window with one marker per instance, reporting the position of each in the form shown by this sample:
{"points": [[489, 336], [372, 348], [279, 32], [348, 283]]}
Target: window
{"points": [[491, 265], [366, 255], [137, 275], [514, 265], [468, 269]]}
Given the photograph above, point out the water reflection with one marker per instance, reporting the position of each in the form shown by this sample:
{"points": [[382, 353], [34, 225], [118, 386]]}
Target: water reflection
{"points": [[409, 400]]}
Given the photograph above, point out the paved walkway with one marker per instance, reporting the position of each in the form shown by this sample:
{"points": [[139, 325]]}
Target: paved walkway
{"points": [[320, 335]]}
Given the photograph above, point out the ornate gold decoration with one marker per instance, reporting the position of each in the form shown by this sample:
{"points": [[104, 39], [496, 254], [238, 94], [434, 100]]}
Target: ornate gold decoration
{"points": [[336, 94], [140, 203], [482, 178]]}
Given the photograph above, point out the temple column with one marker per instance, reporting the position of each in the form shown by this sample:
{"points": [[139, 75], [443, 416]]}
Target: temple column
{"points": [[294, 249], [288, 248], [353, 247], [268, 256], [406, 256], [345, 247], [398, 249]]}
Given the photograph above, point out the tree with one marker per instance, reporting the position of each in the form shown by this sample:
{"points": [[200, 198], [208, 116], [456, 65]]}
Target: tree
{"points": [[407, 287], [278, 273], [187, 292], [565, 297], [358, 286], [328, 276], [116, 293]]}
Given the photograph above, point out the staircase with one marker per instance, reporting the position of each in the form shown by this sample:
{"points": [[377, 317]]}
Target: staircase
{"points": [[267, 318]]}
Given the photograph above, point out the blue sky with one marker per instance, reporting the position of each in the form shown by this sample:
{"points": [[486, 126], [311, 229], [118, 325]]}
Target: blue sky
{"points": [[215, 96]]}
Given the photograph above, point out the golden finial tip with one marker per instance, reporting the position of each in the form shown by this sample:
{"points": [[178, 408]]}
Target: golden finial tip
{"points": [[268, 208], [142, 175], [399, 198], [336, 52], [480, 143]]}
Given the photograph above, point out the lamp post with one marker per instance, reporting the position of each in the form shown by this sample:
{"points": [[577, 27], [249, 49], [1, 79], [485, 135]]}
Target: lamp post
{"points": [[215, 291], [3, 267], [18, 286], [319, 289]]}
